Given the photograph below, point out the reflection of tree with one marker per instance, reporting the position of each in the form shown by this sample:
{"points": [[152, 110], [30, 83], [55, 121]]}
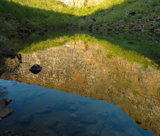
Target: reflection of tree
{"points": [[3, 91]]}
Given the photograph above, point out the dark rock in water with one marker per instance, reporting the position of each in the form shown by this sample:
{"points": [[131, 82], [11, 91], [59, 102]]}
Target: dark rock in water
{"points": [[130, 12], [35, 69], [4, 109]]}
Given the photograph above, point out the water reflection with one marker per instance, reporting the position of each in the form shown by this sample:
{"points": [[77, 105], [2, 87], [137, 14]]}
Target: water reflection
{"points": [[88, 69], [40, 111], [3, 91]]}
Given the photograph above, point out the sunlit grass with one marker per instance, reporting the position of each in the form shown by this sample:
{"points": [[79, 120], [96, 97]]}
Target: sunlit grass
{"points": [[51, 12], [56, 6]]}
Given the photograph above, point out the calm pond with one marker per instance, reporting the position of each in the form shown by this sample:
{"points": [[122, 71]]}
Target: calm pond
{"points": [[84, 85]]}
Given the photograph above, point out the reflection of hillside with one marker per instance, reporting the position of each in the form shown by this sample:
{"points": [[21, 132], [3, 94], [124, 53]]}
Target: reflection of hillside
{"points": [[89, 70]]}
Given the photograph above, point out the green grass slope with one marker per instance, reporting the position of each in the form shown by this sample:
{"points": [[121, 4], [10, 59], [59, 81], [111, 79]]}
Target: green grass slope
{"points": [[130, 15], [109, 15]]}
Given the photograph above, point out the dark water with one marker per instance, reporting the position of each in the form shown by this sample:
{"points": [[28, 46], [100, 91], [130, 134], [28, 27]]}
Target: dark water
{"points": [[47, 112]]}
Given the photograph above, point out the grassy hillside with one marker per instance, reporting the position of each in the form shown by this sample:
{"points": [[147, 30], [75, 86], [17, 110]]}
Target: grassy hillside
{"points": [[109, 10], [50, 12], [27, 19], [131, 15], [33, 15], [56, 6]]}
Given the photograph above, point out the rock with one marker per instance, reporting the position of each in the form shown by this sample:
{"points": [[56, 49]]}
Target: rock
{"points": [[130, 12], [35, 69], [4, 109]]}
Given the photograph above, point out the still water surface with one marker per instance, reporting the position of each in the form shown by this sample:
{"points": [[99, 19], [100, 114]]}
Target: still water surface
{"points": [[40, 111]]}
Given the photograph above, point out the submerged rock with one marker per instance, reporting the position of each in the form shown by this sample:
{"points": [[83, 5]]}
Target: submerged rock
{"points": [[35, 69], [4, 109]]}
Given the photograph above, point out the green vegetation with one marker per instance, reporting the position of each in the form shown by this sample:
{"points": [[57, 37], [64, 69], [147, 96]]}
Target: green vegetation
{"points": [[47, 12], [22, 14], [24, 23], [56, 6], [142, 8], [52, 12]]}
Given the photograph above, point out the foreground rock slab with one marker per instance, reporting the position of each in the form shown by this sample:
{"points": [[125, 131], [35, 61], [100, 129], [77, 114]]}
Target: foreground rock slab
{"points": [[4, 109]]}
